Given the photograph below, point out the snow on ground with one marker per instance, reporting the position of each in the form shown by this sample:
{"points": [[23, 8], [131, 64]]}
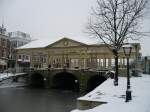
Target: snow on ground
{"points": [[7, 75], [115, 96], [8, 83]]}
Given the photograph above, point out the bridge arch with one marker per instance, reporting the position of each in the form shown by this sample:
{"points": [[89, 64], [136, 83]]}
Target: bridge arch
{"points": [[65, 80], [95, 81], [37, 80]]}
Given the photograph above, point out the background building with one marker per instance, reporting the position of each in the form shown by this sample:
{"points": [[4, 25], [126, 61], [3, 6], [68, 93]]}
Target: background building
{"points": [[17, 39], [4, 48], [8, 44], [145, 64]]}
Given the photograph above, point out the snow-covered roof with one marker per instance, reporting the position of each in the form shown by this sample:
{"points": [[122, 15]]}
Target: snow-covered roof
{"points": [[44, 42], [36, 44]]}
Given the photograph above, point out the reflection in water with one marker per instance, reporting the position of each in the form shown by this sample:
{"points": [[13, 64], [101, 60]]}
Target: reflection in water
{"points": [[36, 100]]}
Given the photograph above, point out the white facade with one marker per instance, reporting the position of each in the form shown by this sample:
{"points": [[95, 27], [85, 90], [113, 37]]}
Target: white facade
{"points": [[19, 38]]}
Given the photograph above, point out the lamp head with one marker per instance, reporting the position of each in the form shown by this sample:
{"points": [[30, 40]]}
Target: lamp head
{"points": [[127, 48]]}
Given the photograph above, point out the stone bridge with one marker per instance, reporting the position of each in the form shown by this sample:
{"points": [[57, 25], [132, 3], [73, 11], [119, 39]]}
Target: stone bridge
{"points": [[70, 79]]}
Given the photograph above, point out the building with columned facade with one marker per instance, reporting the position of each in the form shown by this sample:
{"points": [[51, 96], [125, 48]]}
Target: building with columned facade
{"points": [[71, 53]]}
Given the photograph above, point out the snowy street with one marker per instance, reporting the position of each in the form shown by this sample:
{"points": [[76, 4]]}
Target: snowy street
{"points": [[5, 75], [115, 96], [8, 75], [9, 83]]}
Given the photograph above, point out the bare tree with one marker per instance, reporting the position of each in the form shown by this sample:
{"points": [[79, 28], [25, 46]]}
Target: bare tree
{"points": [[114, 21]]}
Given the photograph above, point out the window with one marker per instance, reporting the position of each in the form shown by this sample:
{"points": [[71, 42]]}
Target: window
{"points": [[0, 41], [36, 58], [3, 53], [3, 42], [19, 56], [27, 57]]}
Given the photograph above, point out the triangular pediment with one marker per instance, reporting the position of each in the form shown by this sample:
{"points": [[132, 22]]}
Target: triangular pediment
{"points": [[66, 42]]}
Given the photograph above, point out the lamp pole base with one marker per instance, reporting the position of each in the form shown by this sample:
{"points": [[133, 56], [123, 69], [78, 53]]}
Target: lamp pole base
{"points": [[128, 95], [115, 83]]}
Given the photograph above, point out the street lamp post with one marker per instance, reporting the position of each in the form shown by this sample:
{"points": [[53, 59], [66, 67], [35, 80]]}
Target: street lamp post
{"points": [[145, 65], [127, 51]]}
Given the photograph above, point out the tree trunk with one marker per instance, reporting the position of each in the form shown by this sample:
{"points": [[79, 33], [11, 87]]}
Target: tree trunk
{"points": [[116, 70]]}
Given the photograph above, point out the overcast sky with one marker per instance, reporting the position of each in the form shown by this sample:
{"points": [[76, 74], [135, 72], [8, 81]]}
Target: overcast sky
{"points": [[53, 18]]}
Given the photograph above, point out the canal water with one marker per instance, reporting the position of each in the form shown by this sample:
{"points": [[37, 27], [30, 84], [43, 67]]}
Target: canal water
{"points": [[36, 100], [20, 99]]}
